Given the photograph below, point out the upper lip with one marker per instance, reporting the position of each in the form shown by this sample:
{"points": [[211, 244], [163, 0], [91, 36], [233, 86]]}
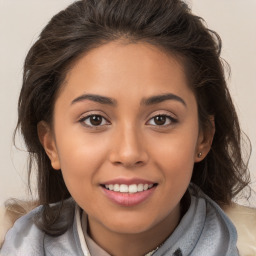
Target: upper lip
{"points": [[127, 181]]}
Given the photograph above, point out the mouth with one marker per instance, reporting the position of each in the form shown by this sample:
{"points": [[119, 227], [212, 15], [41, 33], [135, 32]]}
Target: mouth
{"points": [[128, 193], [131, 189]]}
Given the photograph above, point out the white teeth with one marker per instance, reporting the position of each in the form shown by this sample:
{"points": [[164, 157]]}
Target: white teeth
{"points": [[123, 188], [140, 187], [133, 188], [116, 187]]}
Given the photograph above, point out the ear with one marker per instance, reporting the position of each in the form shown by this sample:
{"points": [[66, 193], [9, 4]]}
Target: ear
{"points": [[204, 141], [47, 140]]}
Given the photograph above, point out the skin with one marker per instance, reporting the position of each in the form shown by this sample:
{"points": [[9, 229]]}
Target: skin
{"points": [[128, 143]]}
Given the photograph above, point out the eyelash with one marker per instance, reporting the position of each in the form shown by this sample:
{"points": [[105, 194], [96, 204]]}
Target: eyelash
{"points": [[171, 121]]}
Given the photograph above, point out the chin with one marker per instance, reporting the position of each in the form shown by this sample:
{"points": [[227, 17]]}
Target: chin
{"points": [[131, 228]]}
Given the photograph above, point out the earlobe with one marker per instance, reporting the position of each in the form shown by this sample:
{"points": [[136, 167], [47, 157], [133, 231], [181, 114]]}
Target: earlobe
{"points": [[204, 142], [47, 140]]}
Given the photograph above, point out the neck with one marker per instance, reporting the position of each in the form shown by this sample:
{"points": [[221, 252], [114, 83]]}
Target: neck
{"points": [[123, 244]]}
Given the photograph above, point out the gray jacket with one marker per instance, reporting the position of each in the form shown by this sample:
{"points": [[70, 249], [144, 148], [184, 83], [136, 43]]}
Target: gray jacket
{"points": [[204, 230]]}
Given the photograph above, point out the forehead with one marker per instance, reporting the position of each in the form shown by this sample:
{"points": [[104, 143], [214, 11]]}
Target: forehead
{"points": [[118, 68]]}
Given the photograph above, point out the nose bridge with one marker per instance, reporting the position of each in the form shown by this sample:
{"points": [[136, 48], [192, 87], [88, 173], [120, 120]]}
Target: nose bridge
{"points": [[129, 149]]}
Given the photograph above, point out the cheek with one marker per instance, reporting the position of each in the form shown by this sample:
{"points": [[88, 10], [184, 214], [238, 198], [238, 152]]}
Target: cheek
{"points": [[81, 157], [78, 149], [175, 155], [177, 166]]}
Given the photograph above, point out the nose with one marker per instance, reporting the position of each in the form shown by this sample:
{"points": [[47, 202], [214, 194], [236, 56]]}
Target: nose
{"points": [[129, 149]]}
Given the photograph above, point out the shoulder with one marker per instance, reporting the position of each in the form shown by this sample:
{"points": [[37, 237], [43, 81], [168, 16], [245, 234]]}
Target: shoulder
{"points": [[244, 219], [6, 222], [10, 212], [24, 236]]}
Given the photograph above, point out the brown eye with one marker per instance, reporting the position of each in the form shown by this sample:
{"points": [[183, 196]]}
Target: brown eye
{"points": [[94, 120], [160, 120]]}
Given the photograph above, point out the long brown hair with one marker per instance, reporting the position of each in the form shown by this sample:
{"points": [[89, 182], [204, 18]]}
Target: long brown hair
{"points": [[168, 24]]}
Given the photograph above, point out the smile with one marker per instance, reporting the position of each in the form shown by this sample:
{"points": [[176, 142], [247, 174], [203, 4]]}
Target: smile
{"points": [[133, 188], [128, 193]]}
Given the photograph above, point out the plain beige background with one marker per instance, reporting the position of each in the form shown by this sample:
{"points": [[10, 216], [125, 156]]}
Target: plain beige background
{"points": [[22, 20]]}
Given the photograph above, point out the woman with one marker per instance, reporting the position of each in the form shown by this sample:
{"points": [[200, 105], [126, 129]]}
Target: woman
{"points": [[125, 109]]}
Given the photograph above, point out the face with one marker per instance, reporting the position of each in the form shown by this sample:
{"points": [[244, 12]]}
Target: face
{"points": [[126, 136]]}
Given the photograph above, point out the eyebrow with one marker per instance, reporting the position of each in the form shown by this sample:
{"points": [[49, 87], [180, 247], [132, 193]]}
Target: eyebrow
{"points": [[163, 97], [112, 102], [96, 98]]}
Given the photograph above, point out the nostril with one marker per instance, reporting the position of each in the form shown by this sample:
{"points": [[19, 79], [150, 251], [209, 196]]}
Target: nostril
{"points": [[128, 164], [117, 163]]}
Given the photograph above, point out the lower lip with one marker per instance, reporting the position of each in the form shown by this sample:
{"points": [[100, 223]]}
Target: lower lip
{"points": [[128, 199]]}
